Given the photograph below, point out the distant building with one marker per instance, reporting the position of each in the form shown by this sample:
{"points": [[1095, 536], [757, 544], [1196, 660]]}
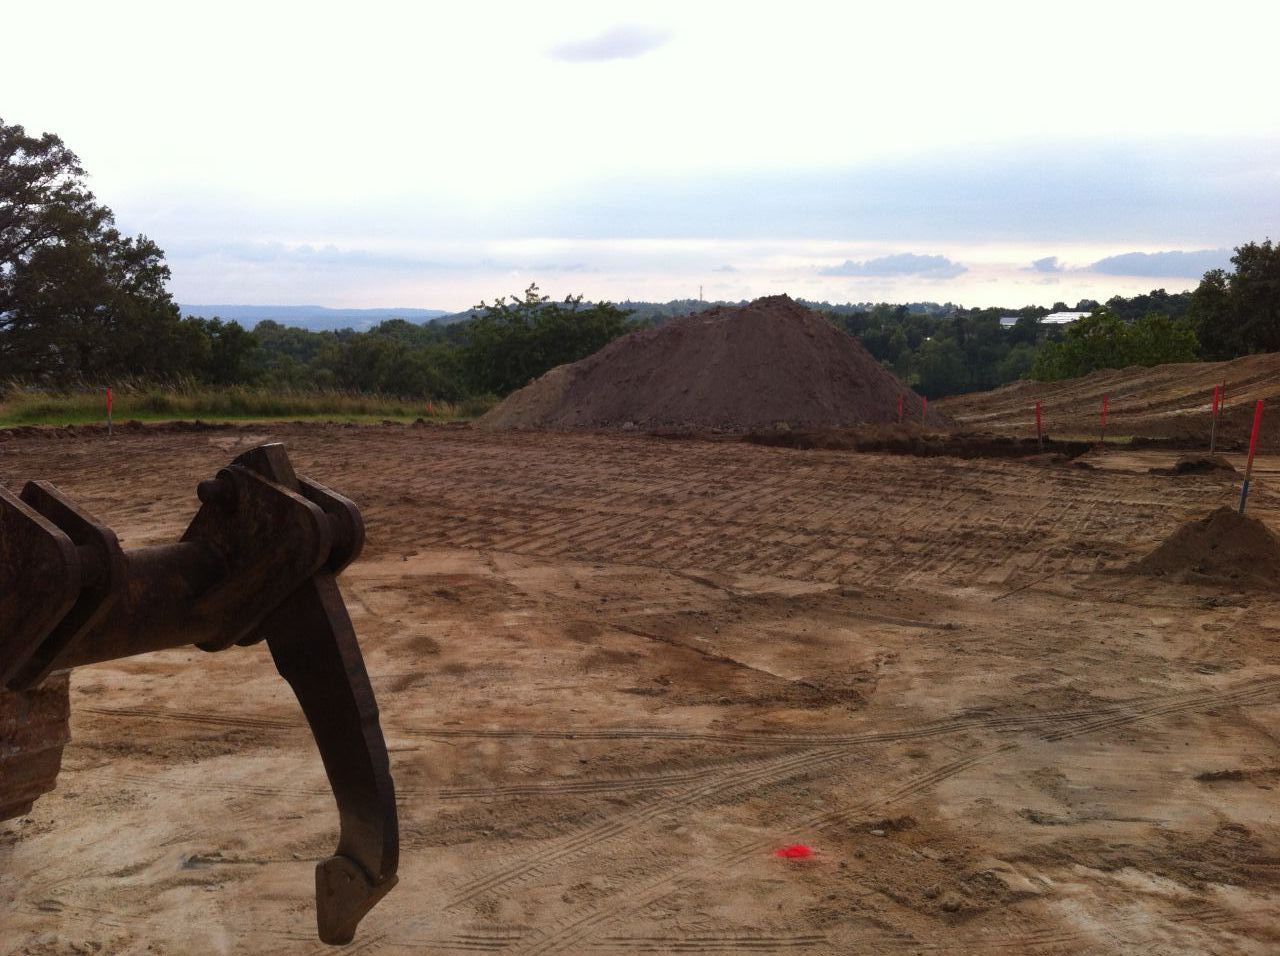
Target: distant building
{"points": [[1053, 318]]}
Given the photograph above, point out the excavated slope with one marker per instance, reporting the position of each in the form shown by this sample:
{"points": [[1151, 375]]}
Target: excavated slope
{"points": [[1164, 401]]}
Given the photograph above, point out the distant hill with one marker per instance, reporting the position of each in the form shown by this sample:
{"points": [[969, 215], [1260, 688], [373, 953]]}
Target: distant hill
{"points": [[655, 312], [317, 318]]}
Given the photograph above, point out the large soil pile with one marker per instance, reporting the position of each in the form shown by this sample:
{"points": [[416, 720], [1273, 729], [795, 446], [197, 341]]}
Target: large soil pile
{"points": [[1226, 547], [733, 368]]}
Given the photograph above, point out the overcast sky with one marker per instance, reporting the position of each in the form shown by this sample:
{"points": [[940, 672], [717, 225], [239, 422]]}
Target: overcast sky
{"points": [[435, 154]]}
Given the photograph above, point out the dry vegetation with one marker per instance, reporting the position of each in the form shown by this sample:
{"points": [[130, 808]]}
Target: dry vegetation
{"points": [[147, 402]]}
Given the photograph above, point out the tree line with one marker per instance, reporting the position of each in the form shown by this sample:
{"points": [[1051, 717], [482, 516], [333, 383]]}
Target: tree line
{"points": [[83, 304], [946, 350], [950, 350]]}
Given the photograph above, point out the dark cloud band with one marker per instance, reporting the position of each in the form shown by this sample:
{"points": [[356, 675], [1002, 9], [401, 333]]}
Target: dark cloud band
{"points": [[1173, 264]]}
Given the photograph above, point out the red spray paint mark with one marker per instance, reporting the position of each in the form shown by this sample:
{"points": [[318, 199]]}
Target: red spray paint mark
{"points": [[797, 851]]}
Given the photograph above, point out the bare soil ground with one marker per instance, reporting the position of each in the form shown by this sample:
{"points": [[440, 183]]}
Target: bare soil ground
{"points": [[617, 673], [1169, 402]]}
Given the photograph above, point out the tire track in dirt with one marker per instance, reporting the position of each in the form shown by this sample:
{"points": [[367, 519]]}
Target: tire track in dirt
{"points": [[1252, 692], [148, 781], [569, 787], [727, 943], [772, 773], [1039, 939], [196, 717], [1092, 717], [744, 738], [549, 528], [574, 929], [728, 782]]}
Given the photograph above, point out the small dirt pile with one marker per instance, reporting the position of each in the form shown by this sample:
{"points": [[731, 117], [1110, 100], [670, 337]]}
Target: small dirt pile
{"points": [[1197, 465], [731, 368], [1224, 548]]}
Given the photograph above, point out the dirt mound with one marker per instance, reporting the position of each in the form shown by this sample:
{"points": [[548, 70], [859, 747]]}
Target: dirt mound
{"points": [[730, 368], [1197, 465], [1226, 547], [1171, 403]]}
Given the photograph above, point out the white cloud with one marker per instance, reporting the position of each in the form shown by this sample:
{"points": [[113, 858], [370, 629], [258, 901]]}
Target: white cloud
{"points": [[899, 264], [617, 43]]}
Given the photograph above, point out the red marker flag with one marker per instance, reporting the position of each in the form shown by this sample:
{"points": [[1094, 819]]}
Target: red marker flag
{"points": [[924, 407], [108, 401], [1253, 444], [1039, 427], [1253, 437], [1104, 411], [1213, 422], [899, 409]]}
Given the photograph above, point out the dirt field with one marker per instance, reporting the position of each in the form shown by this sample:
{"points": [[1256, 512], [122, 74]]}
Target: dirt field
{"points": [[617, 673], [1167, 401]]}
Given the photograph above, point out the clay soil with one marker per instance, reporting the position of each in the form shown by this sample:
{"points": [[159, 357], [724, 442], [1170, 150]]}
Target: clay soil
{"points": [[731, 368], [617, 673], [1168, 403]]}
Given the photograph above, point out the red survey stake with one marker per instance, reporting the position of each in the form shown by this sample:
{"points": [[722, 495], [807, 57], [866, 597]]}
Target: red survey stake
{"points": [[1253, 444], [1213, 422]]}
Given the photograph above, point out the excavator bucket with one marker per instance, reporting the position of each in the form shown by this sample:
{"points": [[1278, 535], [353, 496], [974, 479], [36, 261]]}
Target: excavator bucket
{"points": [[258, 562]]}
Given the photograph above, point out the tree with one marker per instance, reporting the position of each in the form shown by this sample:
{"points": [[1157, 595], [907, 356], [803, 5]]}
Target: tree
{"points": [[1026, 331], [511, 343], [228, 356], [379, 363], [1238, 312], [1157, 300], [1103, 340], [78, 300], [942, 368]]}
